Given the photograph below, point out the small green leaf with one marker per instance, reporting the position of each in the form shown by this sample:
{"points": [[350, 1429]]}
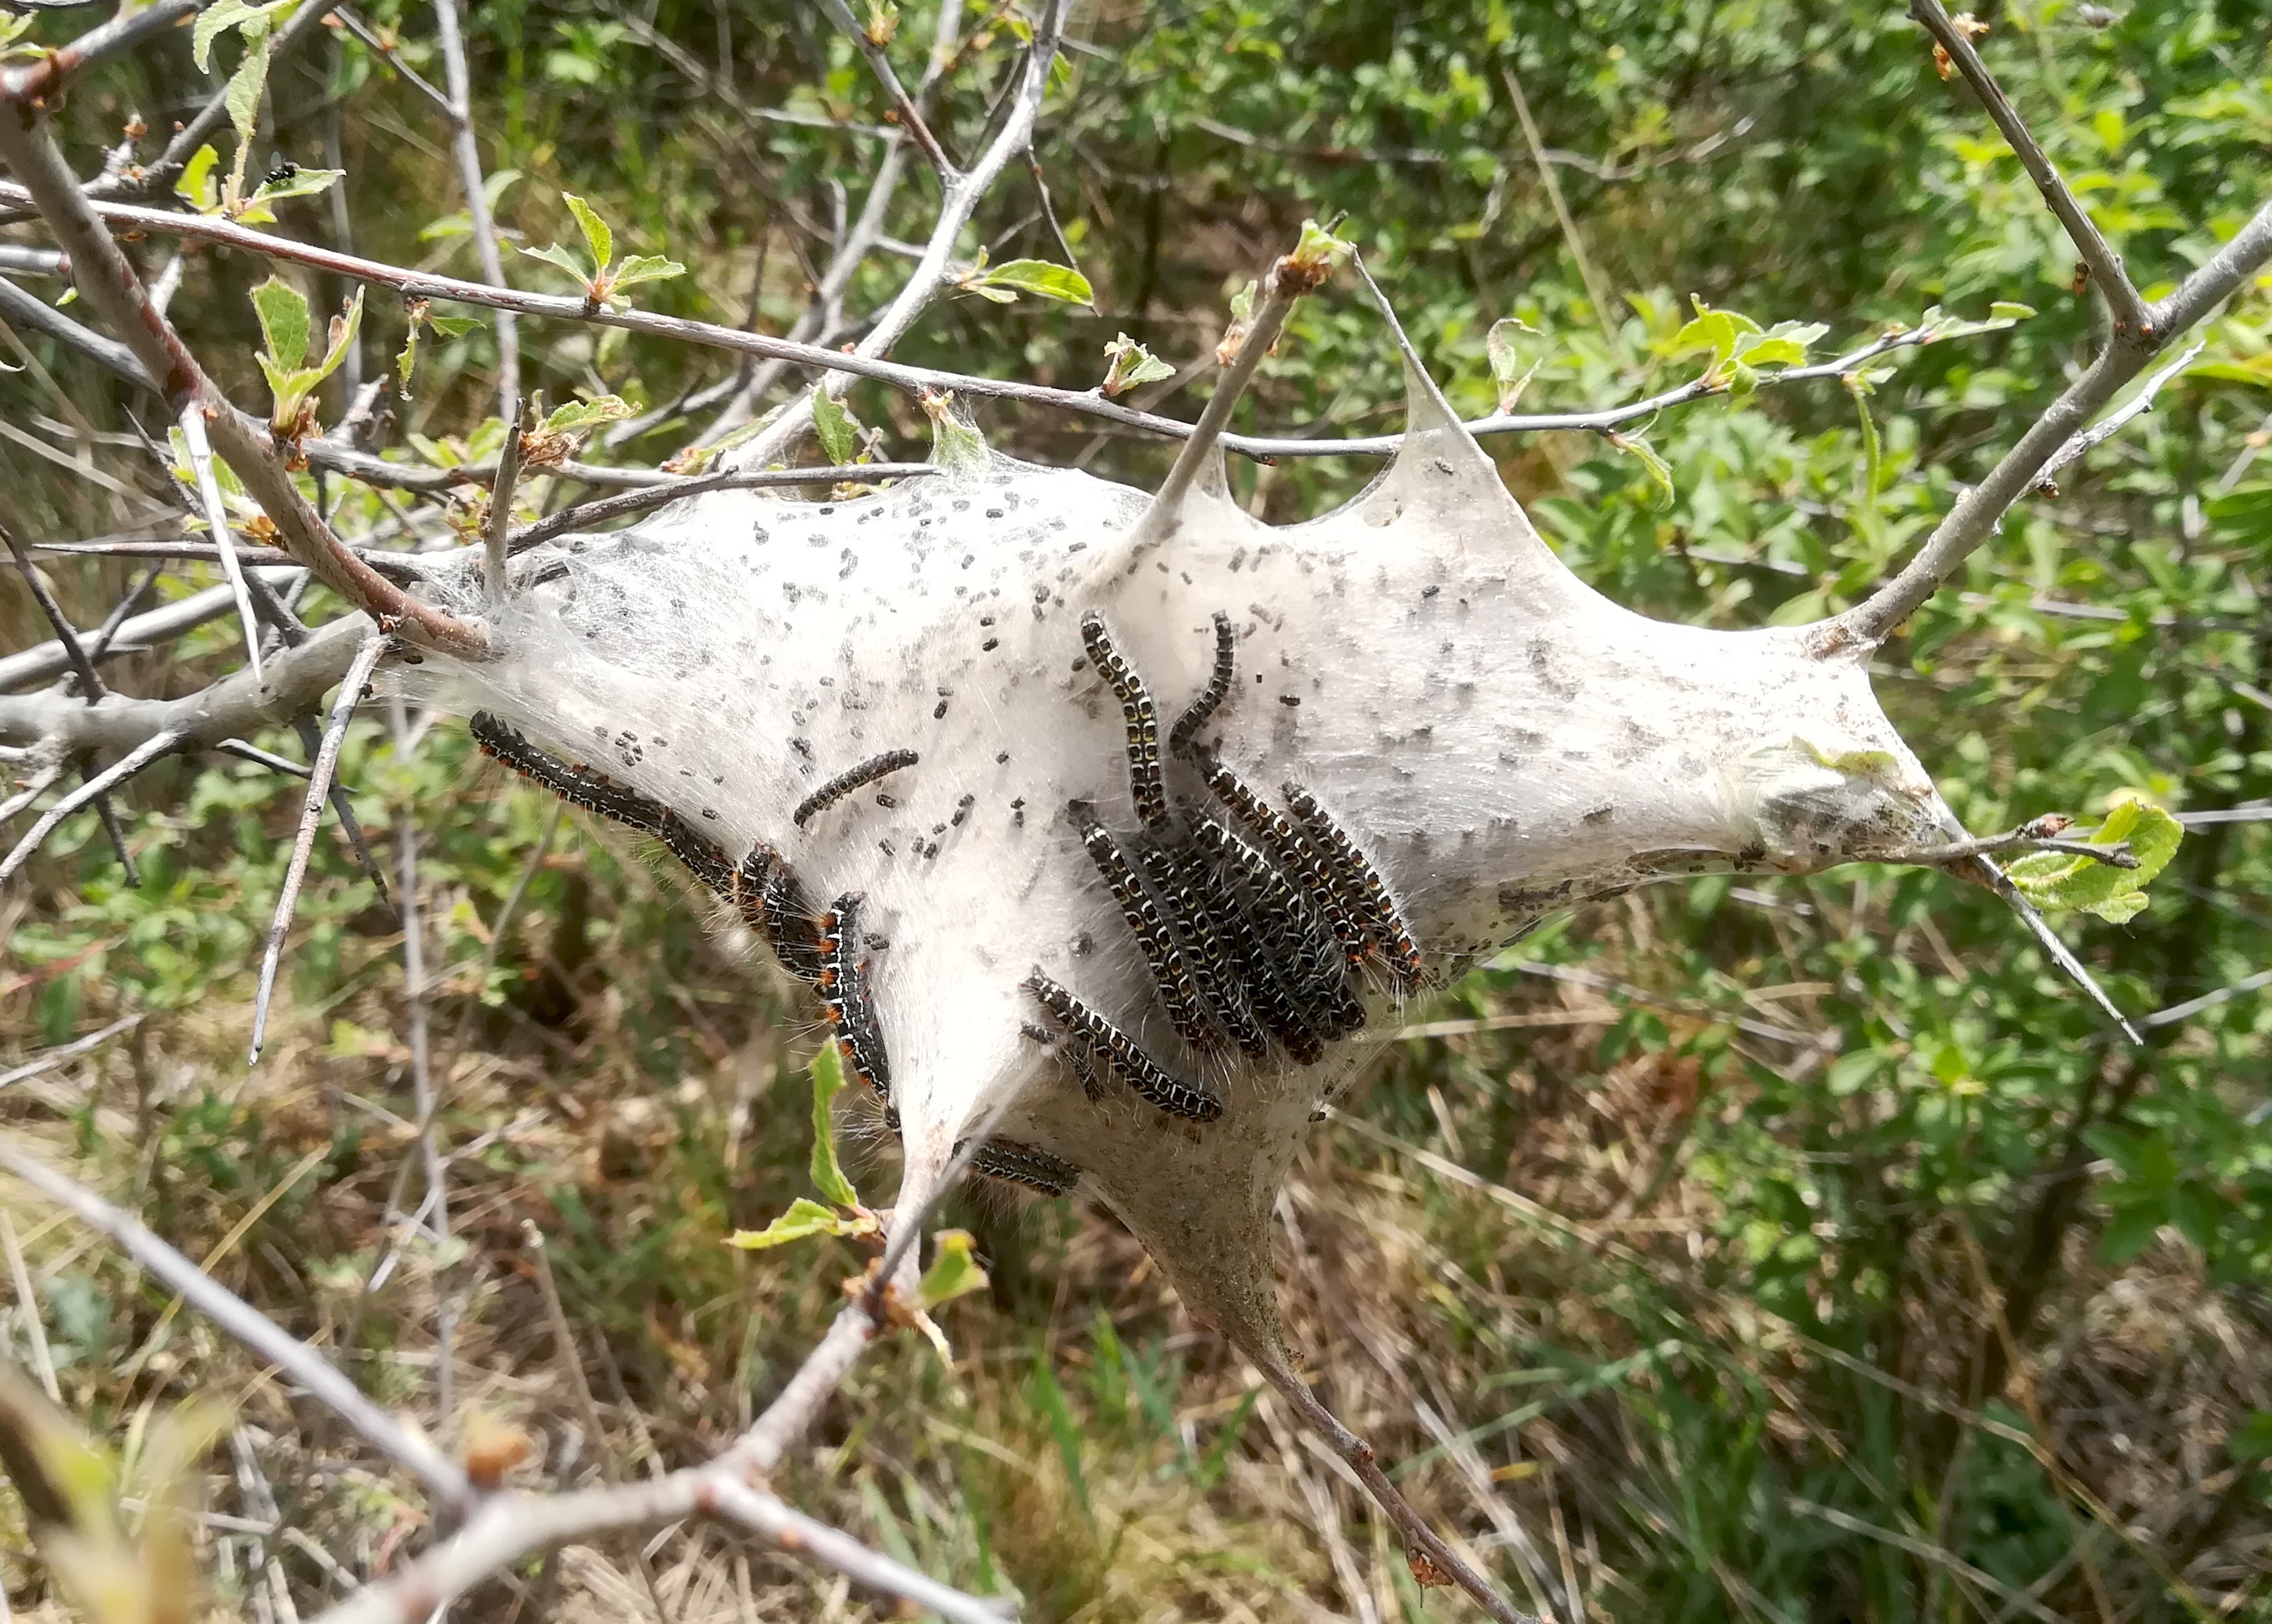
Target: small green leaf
{"points": [[245, 84], [2004, 312], [597, 237], [1514, 362], [553, 254], [579, 415], [1041, 279], [2130, 1229], [827, 1177], [197, 187], [806, 1219], [2058, 880], [646, 268], [283, 312], [453, 326], [954, 1272], [1242, 304], [838, 433], [2251, 1440], [211, 23], [1128, 364], [955, 441], [1320, 247], [1659, 470], [339, 336], [302, 183]]}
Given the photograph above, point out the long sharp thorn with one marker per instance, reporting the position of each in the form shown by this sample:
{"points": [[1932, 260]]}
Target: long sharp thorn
{"points": [[201, 464], [2074, 969], [350, 825], [311, 812]]}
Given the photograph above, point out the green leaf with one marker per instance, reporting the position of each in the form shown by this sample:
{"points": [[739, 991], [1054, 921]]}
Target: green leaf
{"points": [[553, 254], [211, 23], [1659, 470], [1127, 364], [1513, 360], [302, 183], [1320, 249], [835, 429], [954, 1272], [453, 326], [2251, 1440], [197, 187], [955, 441], [645, 268], [579, 415], [283, 312], [339, 336], [827, 1177], [2005, 312], [1041, 279], [2131, 1229], [804, 1218], [597, 237], [2057, 880], [1242, 304], [245, 84]]}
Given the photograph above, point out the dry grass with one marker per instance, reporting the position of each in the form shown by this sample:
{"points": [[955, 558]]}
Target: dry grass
{"points": [[1515, 1282]]}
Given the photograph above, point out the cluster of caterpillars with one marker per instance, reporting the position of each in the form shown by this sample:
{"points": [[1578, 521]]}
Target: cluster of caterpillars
{"points": [[1256, 926], [821, 949]]}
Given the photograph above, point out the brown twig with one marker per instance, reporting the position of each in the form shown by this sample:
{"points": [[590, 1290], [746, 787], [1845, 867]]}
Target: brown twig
{"points": [[865, 361], [910, 116], [2131, 316], [584, 515], [311, 811], [109, 286], [1357, 1455]]}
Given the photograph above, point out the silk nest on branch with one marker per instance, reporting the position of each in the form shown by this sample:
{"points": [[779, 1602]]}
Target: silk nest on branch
{"points": [[1500, 741]]}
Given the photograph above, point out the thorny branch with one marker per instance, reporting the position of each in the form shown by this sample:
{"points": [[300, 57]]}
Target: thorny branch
{"points": [[500, 1528]]}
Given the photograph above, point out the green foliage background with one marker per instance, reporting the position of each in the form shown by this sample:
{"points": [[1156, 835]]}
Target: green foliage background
{"points": [[1870, 1278]]}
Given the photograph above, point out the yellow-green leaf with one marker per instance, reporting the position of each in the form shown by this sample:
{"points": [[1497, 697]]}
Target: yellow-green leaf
{"points": [[1039, 278], [197, 186], [827, 1175], [806, 1219], [597, 236], [283, 312], [954, 1272], [2060, 880]]}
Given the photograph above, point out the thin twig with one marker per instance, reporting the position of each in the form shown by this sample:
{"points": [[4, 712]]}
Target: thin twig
{"points": [[255, 1330], [2115, 423], [1595, 294], [1262, 329], [1985, 871], [431, 1160], [584, 515], [1357, 1454], [201, 464], [2130, 312], [43, 76], [43, 1361], [125, 767], [500, 513], [63, 1054], [571, 1365], [311, 812], [1979, 511], [477, 200], [866, 361], [910, 116]]}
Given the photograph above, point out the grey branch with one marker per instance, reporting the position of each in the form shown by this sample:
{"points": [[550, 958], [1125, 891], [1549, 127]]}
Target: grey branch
{"points": [[2131, 318], [1980, 510], [311, 812]]}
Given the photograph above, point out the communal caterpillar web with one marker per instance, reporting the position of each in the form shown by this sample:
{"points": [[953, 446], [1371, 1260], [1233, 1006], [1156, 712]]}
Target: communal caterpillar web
{"points": [[1471, 738]]}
